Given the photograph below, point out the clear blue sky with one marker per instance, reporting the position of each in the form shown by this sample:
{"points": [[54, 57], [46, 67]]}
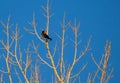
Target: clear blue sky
{"points": [[99, 18]]}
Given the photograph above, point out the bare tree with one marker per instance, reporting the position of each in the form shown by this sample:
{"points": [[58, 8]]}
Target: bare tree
{"points": [[13, 56], [102, 66]]}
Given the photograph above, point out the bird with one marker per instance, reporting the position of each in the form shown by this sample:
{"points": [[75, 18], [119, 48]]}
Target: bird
{"points": [[45, 36]]}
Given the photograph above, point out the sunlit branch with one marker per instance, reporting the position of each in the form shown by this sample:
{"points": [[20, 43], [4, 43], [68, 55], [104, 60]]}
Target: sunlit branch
{"points": [[36, 74], [58, 36], [40, 56], [75, 30], [104, 59], [18, 76], [47, 10], [94, 77], [19, 65], [53, 64], [3, 71], [85, 50], [107, 54], [109, 76], [55, 48], [1, 78], [89, 78], [47, 15], [28, 62], [34, 31], [63, 25], [77, 74], [96, 63], [7, 26]]}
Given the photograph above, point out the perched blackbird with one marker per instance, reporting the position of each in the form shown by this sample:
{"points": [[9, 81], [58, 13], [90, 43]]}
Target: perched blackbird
{"points": [[45, 36]]}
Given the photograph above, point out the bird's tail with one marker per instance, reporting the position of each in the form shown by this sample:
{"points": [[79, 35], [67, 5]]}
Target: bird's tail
{"points": [[50, 39]]}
